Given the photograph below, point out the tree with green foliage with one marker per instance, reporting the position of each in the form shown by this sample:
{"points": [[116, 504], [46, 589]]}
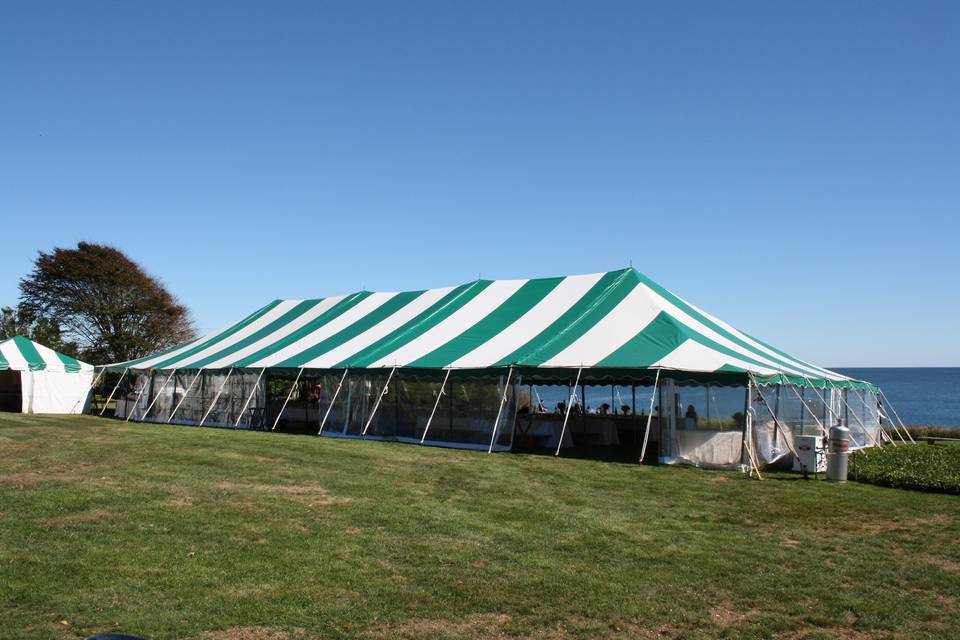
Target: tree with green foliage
{"points": [[46, 331], [105, 302]]}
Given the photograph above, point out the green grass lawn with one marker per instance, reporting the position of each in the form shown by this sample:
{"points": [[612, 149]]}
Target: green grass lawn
{"points": [[178, 532]]}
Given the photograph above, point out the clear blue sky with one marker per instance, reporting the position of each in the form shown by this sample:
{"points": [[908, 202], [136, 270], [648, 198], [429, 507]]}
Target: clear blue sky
{"points": [[791, 167]]}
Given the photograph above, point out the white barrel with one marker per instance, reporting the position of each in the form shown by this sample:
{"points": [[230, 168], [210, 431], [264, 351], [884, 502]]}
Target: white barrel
{"points": [[838, 450]]}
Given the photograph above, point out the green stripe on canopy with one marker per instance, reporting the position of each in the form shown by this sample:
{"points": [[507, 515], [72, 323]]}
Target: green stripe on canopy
{"points": [[697, 315], [612, 288], [425, 321], [132, 364], [71, 365], [657, 340], [600, 321], [220, 337], [30, 354], [378, 315], [524, 299], [329, 315], [288, 317]]}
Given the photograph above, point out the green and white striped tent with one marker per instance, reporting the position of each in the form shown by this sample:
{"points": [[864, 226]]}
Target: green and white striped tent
{"points": [[38, 379], [619, 320], [485, 346]]}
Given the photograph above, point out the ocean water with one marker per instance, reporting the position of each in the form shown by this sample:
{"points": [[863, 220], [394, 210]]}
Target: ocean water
{"points": [[921, 395]]}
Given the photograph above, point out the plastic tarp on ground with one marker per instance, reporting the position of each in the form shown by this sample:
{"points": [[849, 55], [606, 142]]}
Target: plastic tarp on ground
{"points": [[50, 382]]}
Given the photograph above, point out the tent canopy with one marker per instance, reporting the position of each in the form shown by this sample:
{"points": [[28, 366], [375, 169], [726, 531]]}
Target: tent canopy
{"points": [[620, 320], [21, 354]]}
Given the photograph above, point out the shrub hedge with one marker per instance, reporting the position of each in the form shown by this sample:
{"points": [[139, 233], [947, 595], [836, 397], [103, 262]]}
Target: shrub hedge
{"points": [[921, 466]]}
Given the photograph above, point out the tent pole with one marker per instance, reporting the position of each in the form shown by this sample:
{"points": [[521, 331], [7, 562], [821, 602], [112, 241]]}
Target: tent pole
{"points": [[883, 434], [436, 404], [823, 399], [823, 431], [289, 395], [646, 431], [332, 400], [748, 429], [93, 385], [386, 387], [516, 392], [503, 401], [776, 420], [249, 398], [897, 415], [881, 415], [566, 416], [137, 401], [185, 394], [157, 397], [215, 398], [117, 386], [859, 421]]}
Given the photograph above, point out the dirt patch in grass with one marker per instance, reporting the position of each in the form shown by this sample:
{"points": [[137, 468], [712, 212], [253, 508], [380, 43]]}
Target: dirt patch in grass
{"points": [[180, 500], [252, 633], [18, 481], [948, 565], [312, 495], [97, 515], [724, 615], [477, 626], [839, 633]]}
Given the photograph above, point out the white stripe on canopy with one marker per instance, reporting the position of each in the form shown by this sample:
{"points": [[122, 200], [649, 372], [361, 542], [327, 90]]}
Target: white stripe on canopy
{"points": [[462, 319], [151, 362], [692, 323], [356, 344], [693, 356], [823, 372], [12, 355], [344, 320], [611, 332], [248, 330], [529, 325], [275, 336]]}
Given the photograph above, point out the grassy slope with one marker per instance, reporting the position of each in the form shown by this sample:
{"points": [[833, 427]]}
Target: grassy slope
{"points": [[192, 533]]}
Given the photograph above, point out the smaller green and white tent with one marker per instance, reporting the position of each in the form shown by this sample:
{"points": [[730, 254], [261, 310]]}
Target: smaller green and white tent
{"points": [[37, 379]]}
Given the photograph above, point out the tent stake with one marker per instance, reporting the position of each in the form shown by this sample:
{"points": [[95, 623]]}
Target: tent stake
{"points": [[436, 404], [289, 395], [137, 401], [215, 398], [110, 397], [157, 397], [566, 416], [503, 401], [249, 398], [332, 400], [185, 394], [386, 386], [646, 432]]}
